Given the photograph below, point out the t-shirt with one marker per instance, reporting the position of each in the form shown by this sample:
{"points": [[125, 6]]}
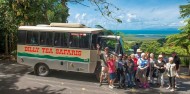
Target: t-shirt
{"points": [[120, 64], [142, 63], [160, 64], [103, 59], [171, 71], [111, 66], [135, 63], [129, 66]]}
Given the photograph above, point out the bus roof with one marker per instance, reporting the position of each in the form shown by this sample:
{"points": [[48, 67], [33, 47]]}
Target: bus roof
{"points": [[60, 29]]}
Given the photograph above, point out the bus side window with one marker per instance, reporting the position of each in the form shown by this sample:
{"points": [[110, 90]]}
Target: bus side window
{"points": [[60, 39], [79, 40], [42, 38], [32, 37], [64, 38], [49, 38], [84, 40], [74, 40], [46, 38], [57, 39], [94, 41], [21, 37]]}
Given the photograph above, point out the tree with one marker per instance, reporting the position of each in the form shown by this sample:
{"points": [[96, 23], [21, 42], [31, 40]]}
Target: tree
{"points": [[183, 38], [150, 46], [32, 12], [28, 12]]}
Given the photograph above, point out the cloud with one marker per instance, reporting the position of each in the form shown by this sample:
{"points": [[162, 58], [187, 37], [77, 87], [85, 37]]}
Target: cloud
{"points": [[77, 16], [83, 15]]}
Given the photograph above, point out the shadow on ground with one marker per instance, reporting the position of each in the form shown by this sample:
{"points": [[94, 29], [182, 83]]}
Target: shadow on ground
{"points": [[11, 72]]}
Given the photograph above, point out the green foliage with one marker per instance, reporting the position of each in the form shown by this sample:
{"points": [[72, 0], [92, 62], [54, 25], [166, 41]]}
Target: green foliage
{"points": [[185, 10], [150, 46], [169, 49], [27, 12], [34, 12]]}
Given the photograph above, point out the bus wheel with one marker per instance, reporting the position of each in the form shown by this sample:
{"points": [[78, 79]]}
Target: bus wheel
{"points": [[42, 70]]}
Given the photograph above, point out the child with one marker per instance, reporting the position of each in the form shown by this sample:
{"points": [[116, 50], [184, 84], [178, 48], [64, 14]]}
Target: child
{"points": [[171, 71], [111, 70]]}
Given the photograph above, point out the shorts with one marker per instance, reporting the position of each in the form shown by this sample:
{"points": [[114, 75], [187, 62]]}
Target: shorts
{"points": [[104, 71], [112, 76]]}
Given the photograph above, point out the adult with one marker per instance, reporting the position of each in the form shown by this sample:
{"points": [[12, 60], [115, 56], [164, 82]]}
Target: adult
{"points": [[177, 62], [148, 69], [135, 66], [152, 62], [139, 51], [141, 71], [164, 57], [135, 47], [171, 72], [129, 72], [120, 71], [103, 59], [161, 69]]}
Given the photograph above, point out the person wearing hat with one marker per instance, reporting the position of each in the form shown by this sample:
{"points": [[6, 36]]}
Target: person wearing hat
{"points": [[120, 72], [159, 64], [139, 51]]}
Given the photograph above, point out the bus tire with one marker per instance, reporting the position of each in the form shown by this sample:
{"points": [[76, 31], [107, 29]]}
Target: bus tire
{"points": [[42, 70]]}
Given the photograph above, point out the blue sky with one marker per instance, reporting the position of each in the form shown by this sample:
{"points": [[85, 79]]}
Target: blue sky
{"points": [[135, 14]]}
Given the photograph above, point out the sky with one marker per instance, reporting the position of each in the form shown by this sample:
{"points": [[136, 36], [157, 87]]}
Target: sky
{"points": [[135, 14]]}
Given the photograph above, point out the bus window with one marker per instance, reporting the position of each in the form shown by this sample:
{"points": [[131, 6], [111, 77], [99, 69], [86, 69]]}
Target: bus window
{"points": [[60, 39], [32, 38], [74, 40], [21, 37], [94, 41], [42, 38], [79, 40], [49, 37], [84, 40], [46, 38]]}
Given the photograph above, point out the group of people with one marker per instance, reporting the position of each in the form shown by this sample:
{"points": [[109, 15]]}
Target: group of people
{"points": [[140, 69]]}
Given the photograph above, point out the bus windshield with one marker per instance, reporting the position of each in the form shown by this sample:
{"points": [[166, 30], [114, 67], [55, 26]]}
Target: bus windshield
{"points": [[111, 43]]}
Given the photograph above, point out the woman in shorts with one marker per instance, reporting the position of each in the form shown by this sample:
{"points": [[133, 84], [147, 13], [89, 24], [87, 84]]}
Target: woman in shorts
{"points": [[111, 70]]}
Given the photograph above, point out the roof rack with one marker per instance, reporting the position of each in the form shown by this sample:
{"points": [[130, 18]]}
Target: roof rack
{"points": [[68, 25]]}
